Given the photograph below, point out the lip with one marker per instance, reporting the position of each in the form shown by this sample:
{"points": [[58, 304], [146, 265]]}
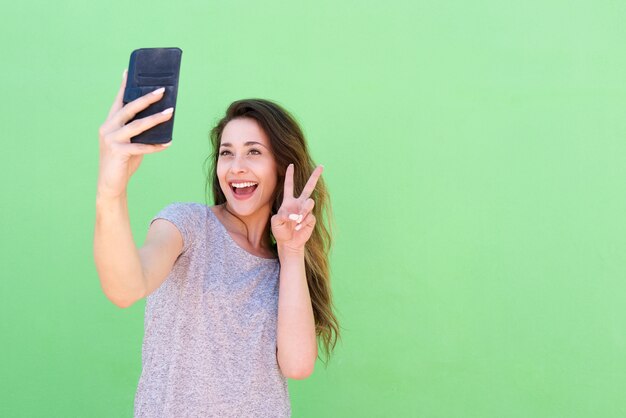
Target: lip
{"points": [[246, 196]]}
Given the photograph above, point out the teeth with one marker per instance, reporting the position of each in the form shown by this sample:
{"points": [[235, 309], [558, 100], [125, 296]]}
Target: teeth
{"points": [[240, 185]]}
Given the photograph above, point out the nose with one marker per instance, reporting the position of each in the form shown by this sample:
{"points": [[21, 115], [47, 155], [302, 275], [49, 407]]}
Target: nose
{"points": [[238, 165]]}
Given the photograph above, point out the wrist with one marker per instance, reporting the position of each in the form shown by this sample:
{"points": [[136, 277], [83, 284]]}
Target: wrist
{"points": [[108, 198], [290, 252]]}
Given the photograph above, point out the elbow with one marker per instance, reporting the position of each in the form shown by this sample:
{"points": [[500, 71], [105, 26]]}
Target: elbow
{"points": [[123, 303], [299, 374], [122, 300], [299, 371], [298, 368]]}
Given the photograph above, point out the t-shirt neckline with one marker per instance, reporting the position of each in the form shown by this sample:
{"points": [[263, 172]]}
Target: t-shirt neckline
{"points": [[232, 240]]}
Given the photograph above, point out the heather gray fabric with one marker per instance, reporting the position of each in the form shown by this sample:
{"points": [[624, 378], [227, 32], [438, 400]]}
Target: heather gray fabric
{"points": [[209, 347]]}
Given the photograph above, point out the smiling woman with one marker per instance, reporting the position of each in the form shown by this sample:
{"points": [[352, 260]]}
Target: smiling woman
{"points": [[238, 293], [266, 134]]}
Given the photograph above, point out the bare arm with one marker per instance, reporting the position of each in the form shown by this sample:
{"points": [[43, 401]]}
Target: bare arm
{"points": [[296, 340], [292, 227], [126, 273], [117, 259]]}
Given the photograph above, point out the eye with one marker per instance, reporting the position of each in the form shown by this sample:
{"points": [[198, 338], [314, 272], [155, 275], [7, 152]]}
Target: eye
{"points": [[224, 153], [254, 151]]}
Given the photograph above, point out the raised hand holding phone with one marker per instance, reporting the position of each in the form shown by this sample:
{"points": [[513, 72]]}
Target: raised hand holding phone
{"points": [[119, 158]]}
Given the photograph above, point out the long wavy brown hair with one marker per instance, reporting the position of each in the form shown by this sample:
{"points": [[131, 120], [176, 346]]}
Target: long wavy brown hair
{"points": [[289, 146]]}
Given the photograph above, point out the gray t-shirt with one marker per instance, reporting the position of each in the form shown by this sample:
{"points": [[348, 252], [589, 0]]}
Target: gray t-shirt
{"points": [[209, 347]]}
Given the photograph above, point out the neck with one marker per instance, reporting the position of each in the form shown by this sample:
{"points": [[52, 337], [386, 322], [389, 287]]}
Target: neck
{"points": [[255, 227]]}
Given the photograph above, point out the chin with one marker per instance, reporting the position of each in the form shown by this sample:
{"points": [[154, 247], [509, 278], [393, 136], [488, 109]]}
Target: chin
{"points": [[248, 207], [240, 209]]}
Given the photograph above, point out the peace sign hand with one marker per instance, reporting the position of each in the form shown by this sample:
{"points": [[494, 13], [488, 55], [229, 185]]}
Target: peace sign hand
{"points": [[293, 224]]}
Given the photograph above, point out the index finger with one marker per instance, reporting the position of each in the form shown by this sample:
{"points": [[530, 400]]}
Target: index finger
{"points": [[117, 103], [310, 184]]}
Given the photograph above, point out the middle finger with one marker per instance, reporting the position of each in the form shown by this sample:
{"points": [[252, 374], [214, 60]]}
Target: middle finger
{"points": [[310, 184], [126, 113]]}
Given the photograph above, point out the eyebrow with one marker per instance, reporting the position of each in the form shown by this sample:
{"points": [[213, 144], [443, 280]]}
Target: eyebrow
{"points": [[247, 144]]}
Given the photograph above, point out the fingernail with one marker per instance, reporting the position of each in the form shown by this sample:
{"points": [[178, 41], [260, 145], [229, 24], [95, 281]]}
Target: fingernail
{"points": [[298, 227], [299, 219], [168, 111], [158, 91], [167, 144], [124, 73], [294, 217]]}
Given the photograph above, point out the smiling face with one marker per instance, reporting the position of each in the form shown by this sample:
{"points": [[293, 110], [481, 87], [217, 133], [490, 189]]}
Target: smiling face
{"points": [[246, 168]]}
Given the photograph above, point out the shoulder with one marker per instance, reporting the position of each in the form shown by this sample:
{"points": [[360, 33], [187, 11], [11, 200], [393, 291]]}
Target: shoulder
{"points": [[189, 210], [189, 214], [187, 206], [188, 217]]}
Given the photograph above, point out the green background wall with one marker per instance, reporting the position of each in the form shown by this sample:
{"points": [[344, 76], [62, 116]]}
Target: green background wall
{"points": [[475, 155]]}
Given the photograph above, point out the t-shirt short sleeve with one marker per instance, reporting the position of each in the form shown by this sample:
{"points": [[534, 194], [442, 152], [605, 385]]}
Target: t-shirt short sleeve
{"points": [[186, 217]]}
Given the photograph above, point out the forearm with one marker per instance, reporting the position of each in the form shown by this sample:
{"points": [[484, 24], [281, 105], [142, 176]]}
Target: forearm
{"points": [[115, 254], [296, 340]]}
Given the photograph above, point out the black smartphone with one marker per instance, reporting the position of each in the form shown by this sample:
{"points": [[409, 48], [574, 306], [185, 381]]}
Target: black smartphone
{"points": [[149, 69]]}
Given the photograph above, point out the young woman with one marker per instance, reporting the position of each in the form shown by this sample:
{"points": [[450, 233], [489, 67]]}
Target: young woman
{"points": [[238, 293]]}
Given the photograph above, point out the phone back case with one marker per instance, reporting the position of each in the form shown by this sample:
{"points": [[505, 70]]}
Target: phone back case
{"points": [[149, 69]]}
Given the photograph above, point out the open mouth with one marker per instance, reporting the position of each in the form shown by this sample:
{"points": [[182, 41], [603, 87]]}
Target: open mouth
{"points": [[243, 189]]}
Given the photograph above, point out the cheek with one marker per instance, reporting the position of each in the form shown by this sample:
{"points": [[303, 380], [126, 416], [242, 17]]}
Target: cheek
{"points": [[272, 176], [266, 170], [220, 168], [221, 174]]}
